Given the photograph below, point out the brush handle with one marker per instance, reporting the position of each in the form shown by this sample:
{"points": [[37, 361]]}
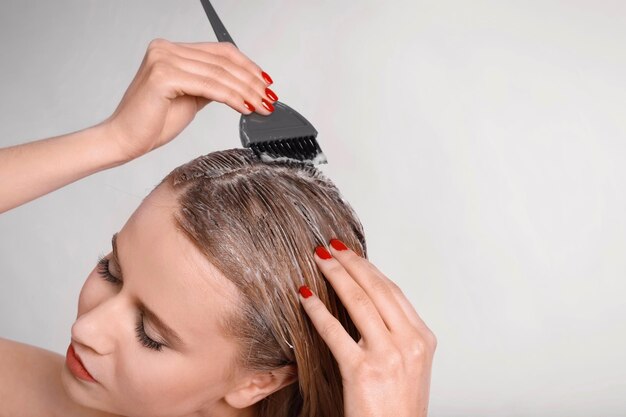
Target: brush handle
{"points": [[216, 23]]}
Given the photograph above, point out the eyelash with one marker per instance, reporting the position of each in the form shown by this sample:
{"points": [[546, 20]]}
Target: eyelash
{"points": [[144, 339], [103, 270]]}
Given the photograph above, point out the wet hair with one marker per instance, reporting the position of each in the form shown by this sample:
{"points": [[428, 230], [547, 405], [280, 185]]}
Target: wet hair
{"points": [[259, 223]]}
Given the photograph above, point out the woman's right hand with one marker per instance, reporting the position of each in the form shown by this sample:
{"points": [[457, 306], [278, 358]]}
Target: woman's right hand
{"points": [[176, 80]]}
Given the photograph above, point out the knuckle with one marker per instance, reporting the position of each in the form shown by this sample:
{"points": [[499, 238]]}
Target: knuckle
{"points": [[330, 330], [209, 84], [360, 298], [416, 348], [220, 61], [253, 82], [381, 287], [251, 93], [159, 70], [228, 48], [421, 347], [255, 68], [258, 85], [361, 263], [158, 43], [355, 366], [155, 54], [232, 96], [316, 308], [393, 360], [394, 287], [334, 267], [217, 71], [385, 369], [372, 268], [431, 339]]}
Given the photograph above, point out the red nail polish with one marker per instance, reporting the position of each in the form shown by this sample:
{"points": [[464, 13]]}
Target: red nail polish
{"points": [[323, 253], [266, 77], [338, 244], [267, 105], [248, 105], [305, 291], [272, 95]]}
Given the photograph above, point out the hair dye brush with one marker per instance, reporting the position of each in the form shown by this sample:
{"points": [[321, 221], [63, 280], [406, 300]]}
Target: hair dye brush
{"points": [[284, 134]]}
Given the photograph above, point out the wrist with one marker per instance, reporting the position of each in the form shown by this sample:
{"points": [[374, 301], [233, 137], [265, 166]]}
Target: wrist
{"points": [[107, 146]]}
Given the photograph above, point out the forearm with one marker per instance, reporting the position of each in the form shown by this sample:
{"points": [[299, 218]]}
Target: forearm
{"points": [[36, 168], [161, 101]]}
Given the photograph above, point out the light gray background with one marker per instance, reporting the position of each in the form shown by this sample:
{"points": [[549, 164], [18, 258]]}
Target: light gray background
{"points": [[481, 143]]}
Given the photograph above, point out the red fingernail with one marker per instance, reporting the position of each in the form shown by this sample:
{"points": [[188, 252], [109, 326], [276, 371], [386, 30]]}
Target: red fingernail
{"points": [[323, 253], [305, 291], [338, 244], [272, 95], [267, 105], [248, 105], [266, 77]]}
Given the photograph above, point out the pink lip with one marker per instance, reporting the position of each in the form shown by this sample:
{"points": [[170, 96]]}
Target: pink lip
{"points": [[76, 367]]}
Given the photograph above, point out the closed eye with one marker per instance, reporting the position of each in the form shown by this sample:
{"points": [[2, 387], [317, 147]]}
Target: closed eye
{"points": [[144, 339], [104, 272]]}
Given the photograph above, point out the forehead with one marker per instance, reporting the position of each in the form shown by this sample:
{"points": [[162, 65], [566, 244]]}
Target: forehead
{"points": [[168, 272]]}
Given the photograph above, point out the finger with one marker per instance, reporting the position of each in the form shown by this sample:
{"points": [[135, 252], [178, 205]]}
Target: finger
{"points": [[223, 76], [179, 82], [396, 291], [231, 51], [405, 304], [374, 283], [243, 73], [362, 310], [410, 312], [166, 52], [340, 343]]}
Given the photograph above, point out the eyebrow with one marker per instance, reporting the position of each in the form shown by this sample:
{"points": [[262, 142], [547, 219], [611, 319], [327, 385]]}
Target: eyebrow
{"points": [[167, 331]]}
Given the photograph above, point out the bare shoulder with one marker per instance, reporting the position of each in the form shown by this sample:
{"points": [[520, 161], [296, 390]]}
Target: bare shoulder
{"points": [[30, 382]]}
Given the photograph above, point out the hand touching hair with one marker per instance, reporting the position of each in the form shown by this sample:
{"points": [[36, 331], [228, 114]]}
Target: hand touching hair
{"points": [[259, 224]]}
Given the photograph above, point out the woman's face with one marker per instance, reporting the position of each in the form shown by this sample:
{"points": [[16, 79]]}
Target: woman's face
{"points": [[115, 336]]}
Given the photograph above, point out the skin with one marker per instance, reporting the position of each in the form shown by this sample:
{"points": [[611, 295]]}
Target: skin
{"points": [[173, 83], [387, 373], [164, 270]]}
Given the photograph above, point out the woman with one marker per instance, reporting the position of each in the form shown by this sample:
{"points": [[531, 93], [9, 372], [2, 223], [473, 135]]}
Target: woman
{"points": [[224, 292]]}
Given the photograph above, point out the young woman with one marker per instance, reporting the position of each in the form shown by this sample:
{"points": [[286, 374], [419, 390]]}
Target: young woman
{"points": [[237, 287]]}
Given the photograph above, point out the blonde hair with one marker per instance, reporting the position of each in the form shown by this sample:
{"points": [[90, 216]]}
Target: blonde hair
{"points": [[259, 223]]}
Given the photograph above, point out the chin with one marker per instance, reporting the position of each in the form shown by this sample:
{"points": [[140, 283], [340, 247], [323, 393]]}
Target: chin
{"points": [[76, 391]]}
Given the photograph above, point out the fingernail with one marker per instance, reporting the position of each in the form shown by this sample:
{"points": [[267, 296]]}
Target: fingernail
{"points": [[266, 77], [305, 291], [267, 105], [338, 244], [248, 105], [272, 95], [323, 253]]}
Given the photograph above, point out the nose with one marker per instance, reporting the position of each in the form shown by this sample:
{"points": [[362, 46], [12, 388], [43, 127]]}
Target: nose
{"points": [[100, 327]]}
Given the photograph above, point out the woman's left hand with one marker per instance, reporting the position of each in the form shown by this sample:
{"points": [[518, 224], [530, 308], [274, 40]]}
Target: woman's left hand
{"points": [[387, 373]]}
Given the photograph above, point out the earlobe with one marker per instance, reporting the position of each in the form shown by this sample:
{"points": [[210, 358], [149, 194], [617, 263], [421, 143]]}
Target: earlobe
{"points": [[260, 384]]}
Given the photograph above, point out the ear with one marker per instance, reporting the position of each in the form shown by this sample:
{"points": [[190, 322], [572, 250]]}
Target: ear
{"points": [[257, 385]]}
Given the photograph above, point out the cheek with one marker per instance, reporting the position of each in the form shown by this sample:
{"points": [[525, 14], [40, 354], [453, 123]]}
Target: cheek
{"points": [[170, 383], [165, 384], [93, 292]]}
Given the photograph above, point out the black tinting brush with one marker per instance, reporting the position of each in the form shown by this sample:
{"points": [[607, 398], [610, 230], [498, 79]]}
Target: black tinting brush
{"points": [[282, 134]]}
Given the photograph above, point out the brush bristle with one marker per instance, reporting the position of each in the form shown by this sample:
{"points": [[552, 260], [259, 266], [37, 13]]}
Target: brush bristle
{"points": [[302, 148]]}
